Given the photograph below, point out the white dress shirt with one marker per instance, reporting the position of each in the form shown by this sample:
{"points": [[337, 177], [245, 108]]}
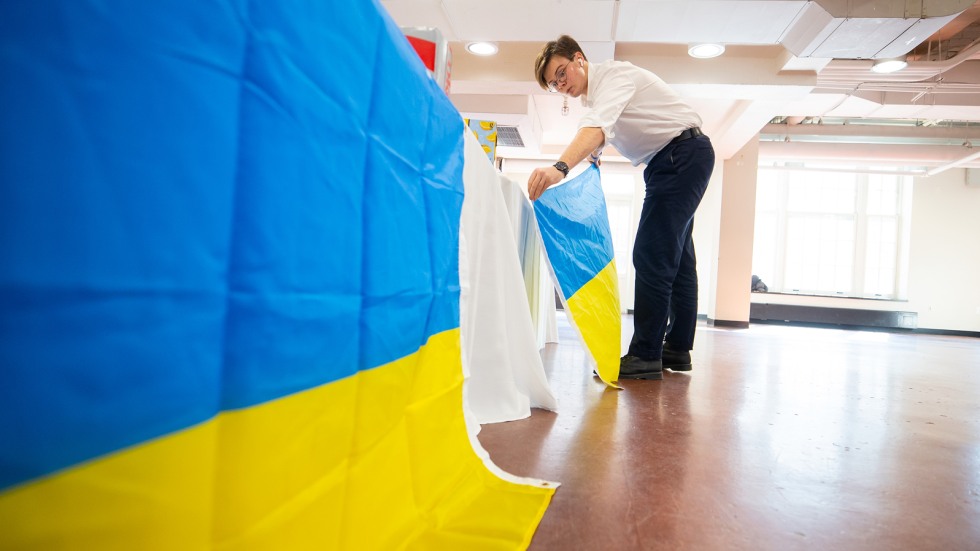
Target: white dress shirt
{"points": [[635, 109]]}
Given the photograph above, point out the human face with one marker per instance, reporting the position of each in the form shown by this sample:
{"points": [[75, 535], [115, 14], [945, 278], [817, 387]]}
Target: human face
{"points": [[569, 80], [560, 78]]}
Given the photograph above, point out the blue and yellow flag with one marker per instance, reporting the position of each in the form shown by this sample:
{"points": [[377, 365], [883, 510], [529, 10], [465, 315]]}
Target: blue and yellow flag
{"points": [[229, 289], [574, 227]]}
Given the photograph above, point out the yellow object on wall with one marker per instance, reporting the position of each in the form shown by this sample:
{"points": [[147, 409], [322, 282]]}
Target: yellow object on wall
{"points": [[486, 135]]}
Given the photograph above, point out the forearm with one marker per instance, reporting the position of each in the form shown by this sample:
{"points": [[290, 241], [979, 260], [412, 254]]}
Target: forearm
{"points": [[587, 140]]}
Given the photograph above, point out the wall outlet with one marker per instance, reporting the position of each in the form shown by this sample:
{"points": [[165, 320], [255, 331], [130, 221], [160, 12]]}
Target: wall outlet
{"points": [[972, 177], [907, 320]]}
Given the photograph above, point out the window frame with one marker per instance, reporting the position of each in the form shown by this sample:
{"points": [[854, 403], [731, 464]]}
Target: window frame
{"points": [[780, 183]]}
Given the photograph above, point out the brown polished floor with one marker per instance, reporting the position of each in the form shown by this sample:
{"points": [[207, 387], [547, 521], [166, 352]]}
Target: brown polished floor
{"points": [[781, 438]]}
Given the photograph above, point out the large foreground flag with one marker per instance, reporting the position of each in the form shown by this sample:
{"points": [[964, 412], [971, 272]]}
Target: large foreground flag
{"points": [[574, 227], [229, 293]]}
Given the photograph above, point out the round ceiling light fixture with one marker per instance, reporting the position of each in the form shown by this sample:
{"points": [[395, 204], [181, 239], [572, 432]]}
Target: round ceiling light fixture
{"points": [[888, 65], [481, 48], [705, 50]]}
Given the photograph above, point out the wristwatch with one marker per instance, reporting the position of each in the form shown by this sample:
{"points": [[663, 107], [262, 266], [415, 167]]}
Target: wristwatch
{"points": [[562, 167]]}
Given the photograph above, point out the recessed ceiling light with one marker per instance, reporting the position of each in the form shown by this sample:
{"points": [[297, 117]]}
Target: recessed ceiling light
{"points": [[704, 51], [888, 65], [481, 48]]}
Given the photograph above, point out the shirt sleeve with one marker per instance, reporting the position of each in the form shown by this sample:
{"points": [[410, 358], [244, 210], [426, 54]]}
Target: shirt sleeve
{"points": [[612, 94]]}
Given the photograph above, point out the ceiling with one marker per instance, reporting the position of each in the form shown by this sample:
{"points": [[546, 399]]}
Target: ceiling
{"points": [[796, 73]]}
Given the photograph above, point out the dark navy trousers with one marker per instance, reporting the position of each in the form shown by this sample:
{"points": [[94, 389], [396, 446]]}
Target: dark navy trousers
{"points": [[666, 299]]}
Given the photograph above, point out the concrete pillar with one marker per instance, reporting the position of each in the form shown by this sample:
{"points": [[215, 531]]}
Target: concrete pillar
{"points": [[732, 271]]}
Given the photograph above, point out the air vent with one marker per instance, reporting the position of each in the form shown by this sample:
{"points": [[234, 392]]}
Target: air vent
{"points": [[509, 136]]}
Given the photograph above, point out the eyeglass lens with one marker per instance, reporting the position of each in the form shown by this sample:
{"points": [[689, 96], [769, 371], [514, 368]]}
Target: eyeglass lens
{"points": [[559, 78]]}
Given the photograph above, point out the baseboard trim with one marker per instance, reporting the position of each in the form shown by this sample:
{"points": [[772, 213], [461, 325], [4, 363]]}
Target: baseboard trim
{"points": [[728, 323], [833, 316], [948, 332], [918, 331]]}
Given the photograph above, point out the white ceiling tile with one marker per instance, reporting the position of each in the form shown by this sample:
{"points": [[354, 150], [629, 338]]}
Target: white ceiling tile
{"points": [[597, 52], [726, 21], [522, 20], [419, 13]]}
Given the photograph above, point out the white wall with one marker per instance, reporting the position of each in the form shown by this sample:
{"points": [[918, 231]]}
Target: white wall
{"points": [[944, 267], [944, 259]]}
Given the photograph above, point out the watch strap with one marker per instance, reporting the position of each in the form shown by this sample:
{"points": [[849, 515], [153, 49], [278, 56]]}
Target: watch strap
{"points": [[562, 167]]}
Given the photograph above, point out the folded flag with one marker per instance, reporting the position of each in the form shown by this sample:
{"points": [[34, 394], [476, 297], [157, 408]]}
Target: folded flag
{"points": [[574, 227]]}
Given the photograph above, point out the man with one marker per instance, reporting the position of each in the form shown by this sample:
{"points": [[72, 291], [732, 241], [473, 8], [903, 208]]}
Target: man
{"points": [[647, 122]]}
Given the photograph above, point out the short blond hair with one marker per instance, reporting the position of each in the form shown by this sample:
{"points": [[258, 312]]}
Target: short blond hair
{"points": [[565, 47]]}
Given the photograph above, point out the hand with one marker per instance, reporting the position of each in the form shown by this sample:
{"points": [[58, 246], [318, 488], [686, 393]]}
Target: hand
{"points": [[542, 179], [594, 157]]}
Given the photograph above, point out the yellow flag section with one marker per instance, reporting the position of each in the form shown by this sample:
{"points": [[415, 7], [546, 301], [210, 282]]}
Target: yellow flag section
{"points": [[350, 465], [594, 310], [574, 227], [236, 326]]}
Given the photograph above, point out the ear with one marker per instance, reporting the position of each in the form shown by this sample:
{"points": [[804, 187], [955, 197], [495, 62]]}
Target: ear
{"points": [[581, 63]]}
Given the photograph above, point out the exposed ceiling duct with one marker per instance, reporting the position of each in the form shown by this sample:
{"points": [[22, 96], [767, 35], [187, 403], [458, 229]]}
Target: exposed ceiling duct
{"points": [[878, 143], [844, 73], [871, 29], [864, 154]]}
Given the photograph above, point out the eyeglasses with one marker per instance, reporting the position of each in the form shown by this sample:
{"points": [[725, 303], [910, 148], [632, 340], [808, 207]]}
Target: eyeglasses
{"points": [[559, 79]]}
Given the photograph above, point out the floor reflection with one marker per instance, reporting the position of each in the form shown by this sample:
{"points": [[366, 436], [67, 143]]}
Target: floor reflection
{"points": [[781, 438]]}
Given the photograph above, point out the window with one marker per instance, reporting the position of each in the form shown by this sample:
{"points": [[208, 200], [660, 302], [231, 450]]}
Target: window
{"points": [[832, 233], [618, 189]]}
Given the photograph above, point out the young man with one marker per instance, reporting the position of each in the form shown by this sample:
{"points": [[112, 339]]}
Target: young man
{"points": [[647, 122]]}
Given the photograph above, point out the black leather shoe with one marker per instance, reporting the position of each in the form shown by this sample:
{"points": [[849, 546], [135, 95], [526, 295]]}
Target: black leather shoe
{"points": [[676, 360], [632, 367]]}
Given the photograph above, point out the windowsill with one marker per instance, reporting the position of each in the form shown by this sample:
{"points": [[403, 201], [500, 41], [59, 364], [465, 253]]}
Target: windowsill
{"points": [[815, 295]]}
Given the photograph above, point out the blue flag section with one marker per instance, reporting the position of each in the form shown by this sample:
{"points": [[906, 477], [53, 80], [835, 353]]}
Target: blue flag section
{"points": [[574, 227], [229, 285]]}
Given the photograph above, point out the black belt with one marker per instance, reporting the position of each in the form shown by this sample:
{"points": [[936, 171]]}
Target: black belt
{"points": [[686, 135]]}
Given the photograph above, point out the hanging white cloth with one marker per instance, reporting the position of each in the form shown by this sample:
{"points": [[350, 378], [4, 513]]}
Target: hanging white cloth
{"points": [[534, 265], [505, 375]]}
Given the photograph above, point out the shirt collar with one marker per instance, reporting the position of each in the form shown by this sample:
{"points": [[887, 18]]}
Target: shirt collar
{"points": [[588, 90]]}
